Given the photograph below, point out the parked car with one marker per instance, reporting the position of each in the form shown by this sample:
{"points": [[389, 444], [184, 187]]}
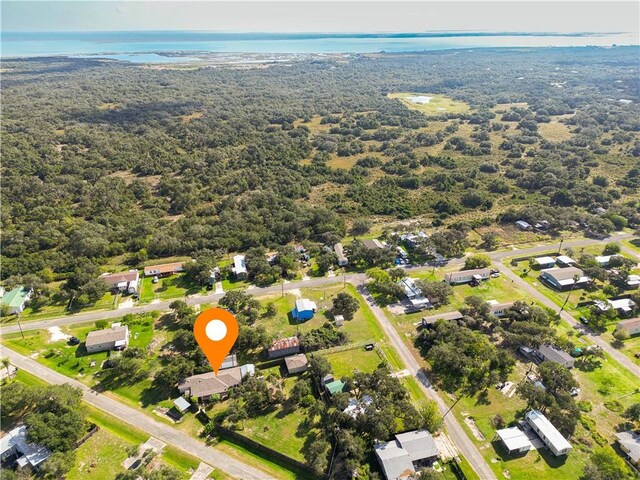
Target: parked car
{"points": [[495, 275], [135, 296], [74, 341], [154, 280], [584, 320]]}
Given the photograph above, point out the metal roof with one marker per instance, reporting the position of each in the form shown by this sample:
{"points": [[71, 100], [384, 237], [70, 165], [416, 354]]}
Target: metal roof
{"points": [[551, 433], [514, 438]]}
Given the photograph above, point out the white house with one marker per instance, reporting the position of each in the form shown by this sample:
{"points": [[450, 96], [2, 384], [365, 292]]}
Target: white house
{"points": [[623, 306], [564, 261], [514, 440], [549, 434], [123, 281], [15, 445], [114, 338], [467, 276], [545, 262], [343, 261], [239, 268], [604, 260], [402, 457], [414, 294]]}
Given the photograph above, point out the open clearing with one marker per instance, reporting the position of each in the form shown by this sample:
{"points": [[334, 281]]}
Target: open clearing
{"points": [[436, 105]]}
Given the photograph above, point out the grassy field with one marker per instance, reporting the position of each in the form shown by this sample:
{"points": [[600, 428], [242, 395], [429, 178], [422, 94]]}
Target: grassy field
{"points": [[437, 105], [348, 361], [554, 131], [633, 244]]}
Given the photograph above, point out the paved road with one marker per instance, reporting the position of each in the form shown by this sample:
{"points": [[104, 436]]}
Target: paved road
{"points": [[166, 433], [311, 282], [455, 431], [622, 359]]}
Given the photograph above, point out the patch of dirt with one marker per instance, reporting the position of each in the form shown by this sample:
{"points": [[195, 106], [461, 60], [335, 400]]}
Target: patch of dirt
{"points": [[471, 423], [57, 334]]}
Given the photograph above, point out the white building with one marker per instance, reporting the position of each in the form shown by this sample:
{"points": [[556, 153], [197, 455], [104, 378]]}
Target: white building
{"points": [[15, 444], [414, 294], [514, 440], [545, 262], [239, 268], [549, 434], [623, 306]]}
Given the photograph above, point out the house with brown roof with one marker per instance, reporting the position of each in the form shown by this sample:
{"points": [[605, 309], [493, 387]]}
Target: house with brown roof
{"points": [[283, 347], [374, 244], [205, 385], [123, 281], [114, 338], [164, 270], [296, 363], [632, 325]]}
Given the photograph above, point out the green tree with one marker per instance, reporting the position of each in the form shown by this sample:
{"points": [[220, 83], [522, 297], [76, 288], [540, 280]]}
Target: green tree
{"points": [[58, 464], [605, 464], [345, 305], [477, 261], [438, 293]]}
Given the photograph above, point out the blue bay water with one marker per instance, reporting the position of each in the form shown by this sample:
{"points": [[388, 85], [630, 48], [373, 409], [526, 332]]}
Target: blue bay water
{"points": [[155, 46]]}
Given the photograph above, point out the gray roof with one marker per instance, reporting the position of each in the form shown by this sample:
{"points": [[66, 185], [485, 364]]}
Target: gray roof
{"points": [[107, 335], [419, 444], [630, 442], [466, 273], [514, 438], [208, 383], [554, 354], [373, 244], [553, 436], [565, 275], [115, 278], [397, 457], [394, 460], [181, 404]]}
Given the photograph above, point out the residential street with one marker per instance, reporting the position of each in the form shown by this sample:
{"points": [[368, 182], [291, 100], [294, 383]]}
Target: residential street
{"points": [[621, 358], [455, 431], [166, 433], [354, 278]]}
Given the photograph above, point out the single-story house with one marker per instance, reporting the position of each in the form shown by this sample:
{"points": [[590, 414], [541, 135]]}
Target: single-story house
{"points": [[412, 240], [402, 253], [114, 338], [522, 225], [633, 281], [284, 347], [549, 434], [624, 306], [564, 261], [630, 444], [181, 404], [357, 406], [205, 385], [499, 309], [632, 325], [343, 261], [374, 244], [296, 363], [304, 309], [164, 270], [544, 262], [123, 281], [467, 276], [414, 294], [514, 440], [15, 448], [408, 452], [334, 387], [15, 300], [455, 315], [604, 260], [563, 278], [549, 353], [239, 268]]}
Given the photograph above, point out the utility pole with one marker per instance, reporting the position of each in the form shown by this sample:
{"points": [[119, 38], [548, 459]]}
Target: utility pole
{"points": [[20, 326], [560, 247], [451, 407]]}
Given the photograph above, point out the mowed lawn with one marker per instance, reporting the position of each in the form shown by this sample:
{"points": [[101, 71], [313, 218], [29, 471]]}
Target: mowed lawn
{"points": [[100, 457], [347, 362], [363, 327]]}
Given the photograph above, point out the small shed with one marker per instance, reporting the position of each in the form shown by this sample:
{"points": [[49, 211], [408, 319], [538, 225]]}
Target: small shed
{"points": [[181, 404], [304, 309], [545, 262], [339, 320], [334, 387]]}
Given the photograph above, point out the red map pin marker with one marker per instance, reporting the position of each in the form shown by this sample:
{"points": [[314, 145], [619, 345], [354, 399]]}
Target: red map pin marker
{"points": [[216, 331]]}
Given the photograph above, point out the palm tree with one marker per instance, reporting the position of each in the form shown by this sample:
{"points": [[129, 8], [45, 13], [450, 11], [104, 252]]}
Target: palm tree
{"points": [[6, 363], [576, 278]]}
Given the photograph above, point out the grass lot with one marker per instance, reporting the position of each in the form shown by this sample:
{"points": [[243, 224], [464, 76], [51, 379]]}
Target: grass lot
{"points": [[167, 288], [554, 131], [100, 457], [633, 244], [346, 362], [438, 105]]}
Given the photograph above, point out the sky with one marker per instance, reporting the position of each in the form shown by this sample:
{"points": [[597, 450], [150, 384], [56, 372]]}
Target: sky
{"points": [[324, 16]]}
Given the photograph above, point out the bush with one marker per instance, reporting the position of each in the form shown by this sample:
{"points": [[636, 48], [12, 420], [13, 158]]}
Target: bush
{"points": [[477, 261], [102, 324]]}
